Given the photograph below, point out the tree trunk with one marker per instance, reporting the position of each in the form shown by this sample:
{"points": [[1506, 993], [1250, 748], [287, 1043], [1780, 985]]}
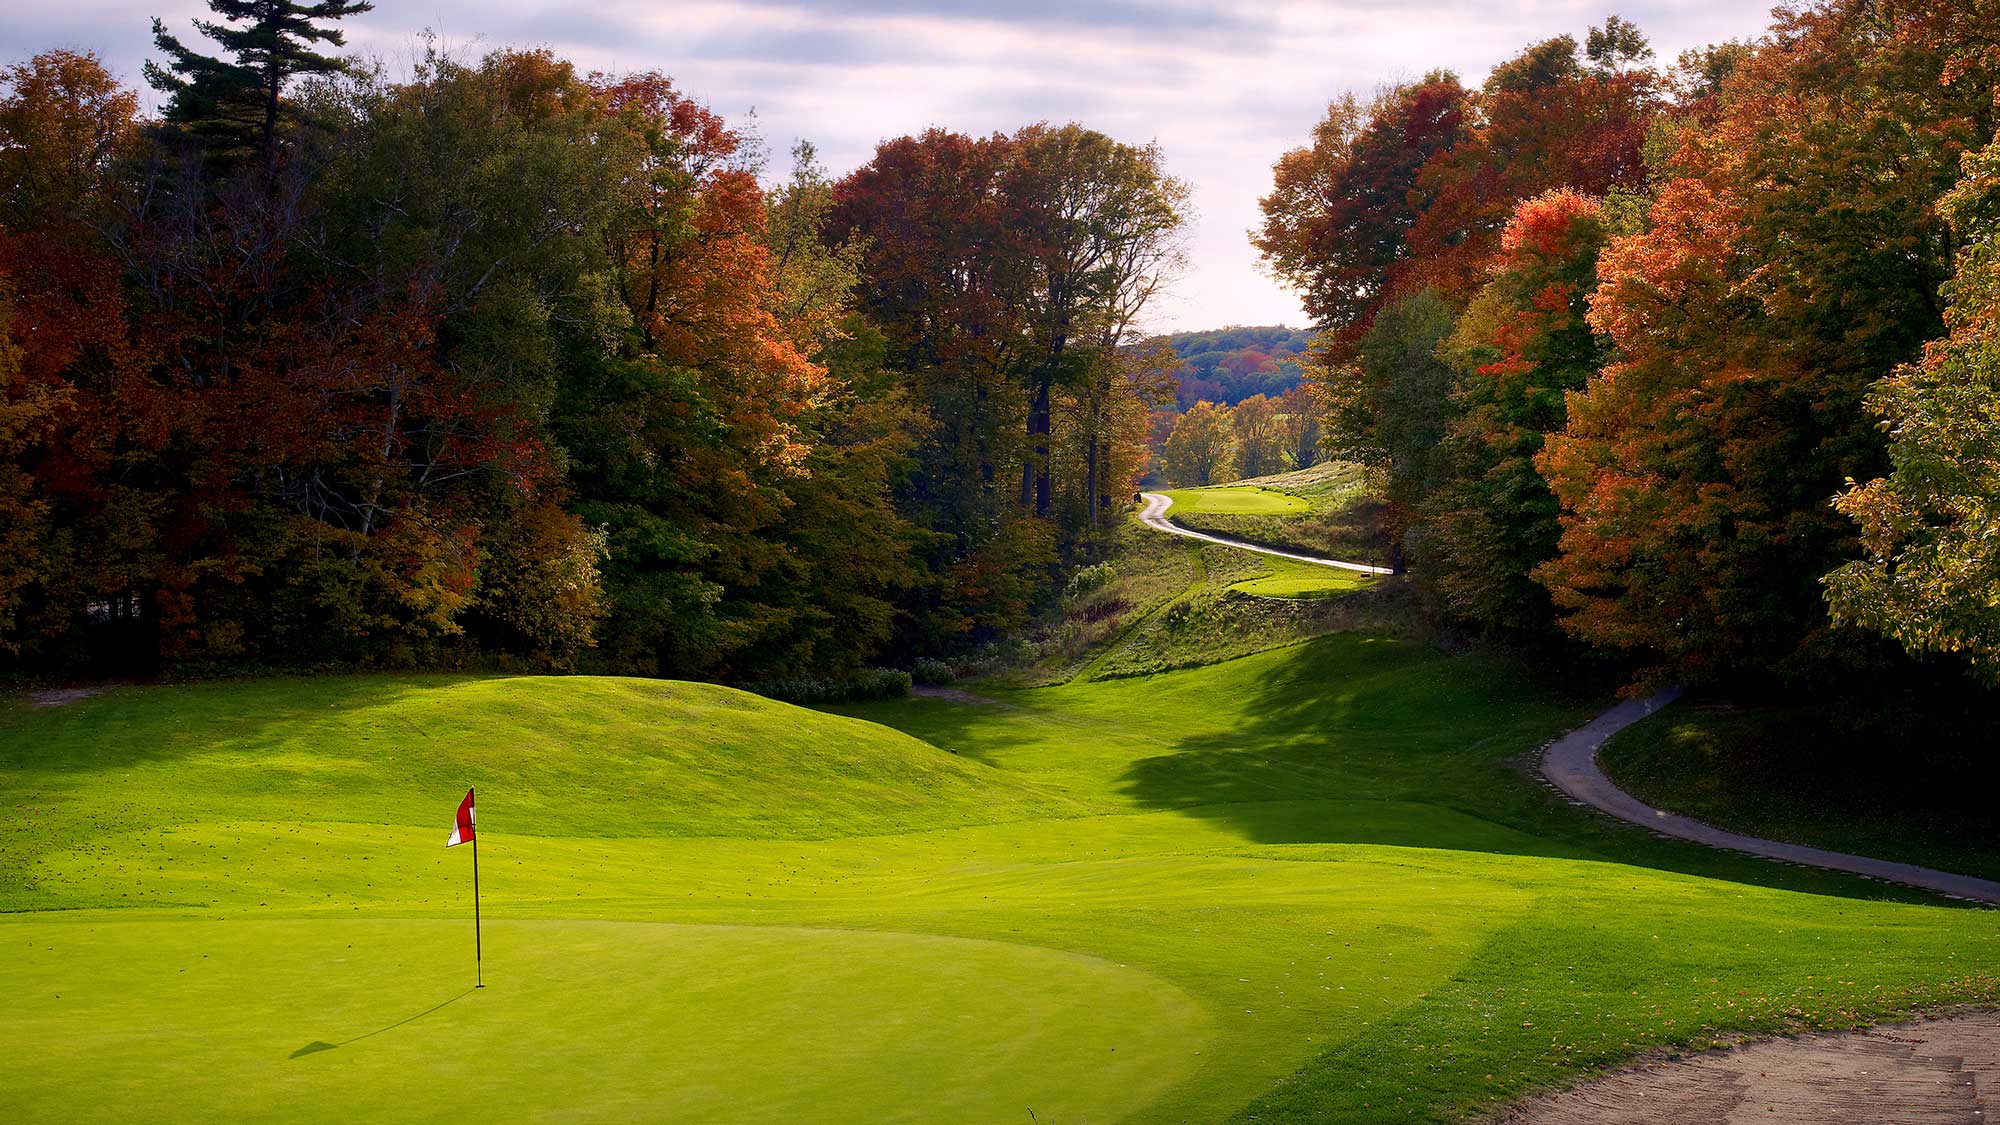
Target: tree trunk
{"points": [[1035, 471], [1090, 477]]}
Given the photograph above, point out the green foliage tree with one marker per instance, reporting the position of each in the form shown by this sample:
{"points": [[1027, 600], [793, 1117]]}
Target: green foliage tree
{"points": [[1391, 408], [1931, 574], [1098, 220], [1615, 44], [1299, 427], [1199, 450]]}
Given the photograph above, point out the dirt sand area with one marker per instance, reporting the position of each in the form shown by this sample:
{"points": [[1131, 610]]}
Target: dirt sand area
{"points": [[955, 695], [1936, 1071]]}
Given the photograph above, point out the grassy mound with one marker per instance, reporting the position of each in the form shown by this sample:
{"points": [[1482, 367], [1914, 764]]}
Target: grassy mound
{"points": [[575, 756]]}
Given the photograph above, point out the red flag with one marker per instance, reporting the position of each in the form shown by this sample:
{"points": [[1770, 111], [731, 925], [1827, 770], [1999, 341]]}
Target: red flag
{"points": [[461, 829]]}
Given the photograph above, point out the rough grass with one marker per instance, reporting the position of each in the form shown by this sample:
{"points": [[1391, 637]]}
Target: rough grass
{"points": [[1177, 603], [1304, 885], [1180, 603]]}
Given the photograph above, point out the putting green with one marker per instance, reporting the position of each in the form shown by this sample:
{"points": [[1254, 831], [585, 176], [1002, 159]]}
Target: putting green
{"points": [[1247, 500], [259, 1019], [1304, 885]]}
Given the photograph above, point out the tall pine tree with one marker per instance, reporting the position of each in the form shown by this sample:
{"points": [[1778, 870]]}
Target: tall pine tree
{"points": [[235, 107]]}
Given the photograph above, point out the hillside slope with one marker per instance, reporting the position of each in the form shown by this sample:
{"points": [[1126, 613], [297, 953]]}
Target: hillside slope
{"points": [[555, 756]]}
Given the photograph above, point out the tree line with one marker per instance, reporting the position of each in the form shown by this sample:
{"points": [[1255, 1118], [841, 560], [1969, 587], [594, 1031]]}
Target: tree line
{"points": [[1698, 365], [1227, 365], [502, 361], [1213, 444]]}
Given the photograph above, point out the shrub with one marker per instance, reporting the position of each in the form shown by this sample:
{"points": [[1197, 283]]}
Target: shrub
{"points": [[929, 671], [1087, 579], [869, 683]]}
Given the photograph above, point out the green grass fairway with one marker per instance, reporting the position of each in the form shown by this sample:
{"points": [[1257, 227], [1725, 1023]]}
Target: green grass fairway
{"points": [[1284, 578], [1241, 500], [1310, 884]]}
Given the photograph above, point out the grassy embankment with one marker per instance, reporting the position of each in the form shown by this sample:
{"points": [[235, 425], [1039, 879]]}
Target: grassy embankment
{"points": [[1310, 884], [1179, 603], [1897, 778]]}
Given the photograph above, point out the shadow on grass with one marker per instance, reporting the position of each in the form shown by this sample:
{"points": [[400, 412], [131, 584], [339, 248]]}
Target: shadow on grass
{"points": [[318, 1045], [1349, 739], [92, 735], [1408, 747]]}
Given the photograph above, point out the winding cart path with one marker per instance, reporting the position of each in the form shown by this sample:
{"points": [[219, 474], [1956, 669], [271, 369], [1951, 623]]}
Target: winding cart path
{"points": [[1154, 515], [1570, 764]]}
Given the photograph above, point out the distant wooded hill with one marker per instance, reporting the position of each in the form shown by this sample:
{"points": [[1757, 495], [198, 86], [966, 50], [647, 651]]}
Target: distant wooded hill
{"points": [[1228, 365]]}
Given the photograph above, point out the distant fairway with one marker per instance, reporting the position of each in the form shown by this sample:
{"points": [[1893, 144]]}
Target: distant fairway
{"points": [[1237, 501], [1260, 514], [1306, 884], [1284, 578]]}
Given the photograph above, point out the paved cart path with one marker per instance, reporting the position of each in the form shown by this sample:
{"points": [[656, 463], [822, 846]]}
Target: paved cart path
{"points": [[1154, 515], [1570, 763]]}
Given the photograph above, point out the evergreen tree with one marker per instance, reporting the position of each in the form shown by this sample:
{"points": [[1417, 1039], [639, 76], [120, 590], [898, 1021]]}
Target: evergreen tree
{"points": [[235, 107]]}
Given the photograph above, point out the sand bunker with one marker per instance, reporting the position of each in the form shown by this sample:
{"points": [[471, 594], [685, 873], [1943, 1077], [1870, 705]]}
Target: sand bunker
{"points": [[1912, 1074]]}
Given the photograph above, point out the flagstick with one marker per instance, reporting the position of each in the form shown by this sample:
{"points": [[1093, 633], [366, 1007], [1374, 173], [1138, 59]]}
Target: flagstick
{"points": [[478, 957]]}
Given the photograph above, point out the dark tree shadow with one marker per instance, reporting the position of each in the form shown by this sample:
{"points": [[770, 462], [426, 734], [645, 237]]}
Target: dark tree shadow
{"points": [[1355, 740], [1398, 745]]}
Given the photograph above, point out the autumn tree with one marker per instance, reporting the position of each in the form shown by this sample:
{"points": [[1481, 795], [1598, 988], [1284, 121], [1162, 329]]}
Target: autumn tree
{"points": [[944, 284], [66, 122], [1749, 321], [1551, 117], [1336, 223], [24, 525], [72, 475], [1520, 347], [1005, 274], [1199, 451]]}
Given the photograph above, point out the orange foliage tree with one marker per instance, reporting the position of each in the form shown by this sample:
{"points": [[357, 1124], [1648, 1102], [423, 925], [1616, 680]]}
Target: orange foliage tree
{"points": [[1521, 345], [1793, 260]]}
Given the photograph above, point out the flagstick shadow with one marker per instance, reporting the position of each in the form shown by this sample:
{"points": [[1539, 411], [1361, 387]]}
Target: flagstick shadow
{"points": [[317, 1045]]}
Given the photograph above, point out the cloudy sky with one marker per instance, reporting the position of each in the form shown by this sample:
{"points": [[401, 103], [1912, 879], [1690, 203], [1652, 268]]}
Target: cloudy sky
{"points": [[1223, 87]]}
